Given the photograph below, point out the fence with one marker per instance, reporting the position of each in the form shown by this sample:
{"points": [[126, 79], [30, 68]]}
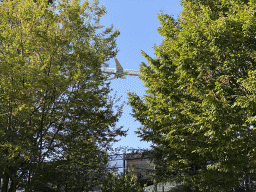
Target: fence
{"points": [[141, 165], [161, 187], [125, 157]]}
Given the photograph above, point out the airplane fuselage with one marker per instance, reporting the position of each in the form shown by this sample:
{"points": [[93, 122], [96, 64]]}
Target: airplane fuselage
{"points": [[119, 72], [125, 72]]}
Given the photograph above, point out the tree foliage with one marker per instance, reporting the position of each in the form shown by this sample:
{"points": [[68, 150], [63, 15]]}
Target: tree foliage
{"points": [[53, 95], [199, 110], [124, 182]]}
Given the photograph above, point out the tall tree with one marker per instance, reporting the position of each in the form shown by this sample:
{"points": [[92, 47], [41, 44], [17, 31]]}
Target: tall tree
{"points": [[54, 102], [200, 106]]}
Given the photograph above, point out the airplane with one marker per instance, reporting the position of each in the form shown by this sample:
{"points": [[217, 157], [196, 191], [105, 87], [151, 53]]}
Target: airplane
{"points": [[120, 72]]}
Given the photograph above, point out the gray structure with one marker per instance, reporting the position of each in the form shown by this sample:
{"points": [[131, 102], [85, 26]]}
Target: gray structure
{"points": [[145, 168], [142, 165]]}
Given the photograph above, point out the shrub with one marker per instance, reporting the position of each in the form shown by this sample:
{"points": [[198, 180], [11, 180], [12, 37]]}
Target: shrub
{"points": [[124, 182]]}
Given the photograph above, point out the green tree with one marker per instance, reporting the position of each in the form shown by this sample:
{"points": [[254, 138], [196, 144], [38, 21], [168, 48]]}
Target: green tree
{"points": [[199, 110], [53, 95], [124, 182]]}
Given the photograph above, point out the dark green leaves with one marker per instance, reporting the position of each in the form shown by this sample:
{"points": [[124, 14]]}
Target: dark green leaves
{"points": [[200, 103]]}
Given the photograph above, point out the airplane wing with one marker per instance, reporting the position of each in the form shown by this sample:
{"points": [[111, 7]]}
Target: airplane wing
{"points": [[112, 78], [115, 77]]}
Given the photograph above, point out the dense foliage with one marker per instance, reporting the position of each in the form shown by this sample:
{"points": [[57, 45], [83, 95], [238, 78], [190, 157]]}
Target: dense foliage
{"points": [[124, 182], [53, 95], [200, 105]]}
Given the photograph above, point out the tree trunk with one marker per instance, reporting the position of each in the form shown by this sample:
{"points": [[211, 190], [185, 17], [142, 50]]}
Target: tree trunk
{"points": [[246, 183], [13, 186], [155, 185], [5, 183]]}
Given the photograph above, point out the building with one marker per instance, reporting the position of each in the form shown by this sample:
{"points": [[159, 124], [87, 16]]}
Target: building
{"points": [[145, 168], [141, 163]]}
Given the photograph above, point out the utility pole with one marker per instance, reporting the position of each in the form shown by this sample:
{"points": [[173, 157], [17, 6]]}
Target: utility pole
{"points": [[124, 155]]}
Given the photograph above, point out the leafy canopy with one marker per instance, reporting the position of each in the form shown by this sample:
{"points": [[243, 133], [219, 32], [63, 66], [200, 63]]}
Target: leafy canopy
{"points": [[53, 95], [199, 109]]}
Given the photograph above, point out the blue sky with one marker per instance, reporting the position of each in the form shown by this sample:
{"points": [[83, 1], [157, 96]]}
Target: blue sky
{"points": [[137, 22]]}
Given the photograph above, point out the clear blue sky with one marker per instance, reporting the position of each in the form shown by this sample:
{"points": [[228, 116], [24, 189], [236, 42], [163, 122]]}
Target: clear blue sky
{"points": [[137, 22]]}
